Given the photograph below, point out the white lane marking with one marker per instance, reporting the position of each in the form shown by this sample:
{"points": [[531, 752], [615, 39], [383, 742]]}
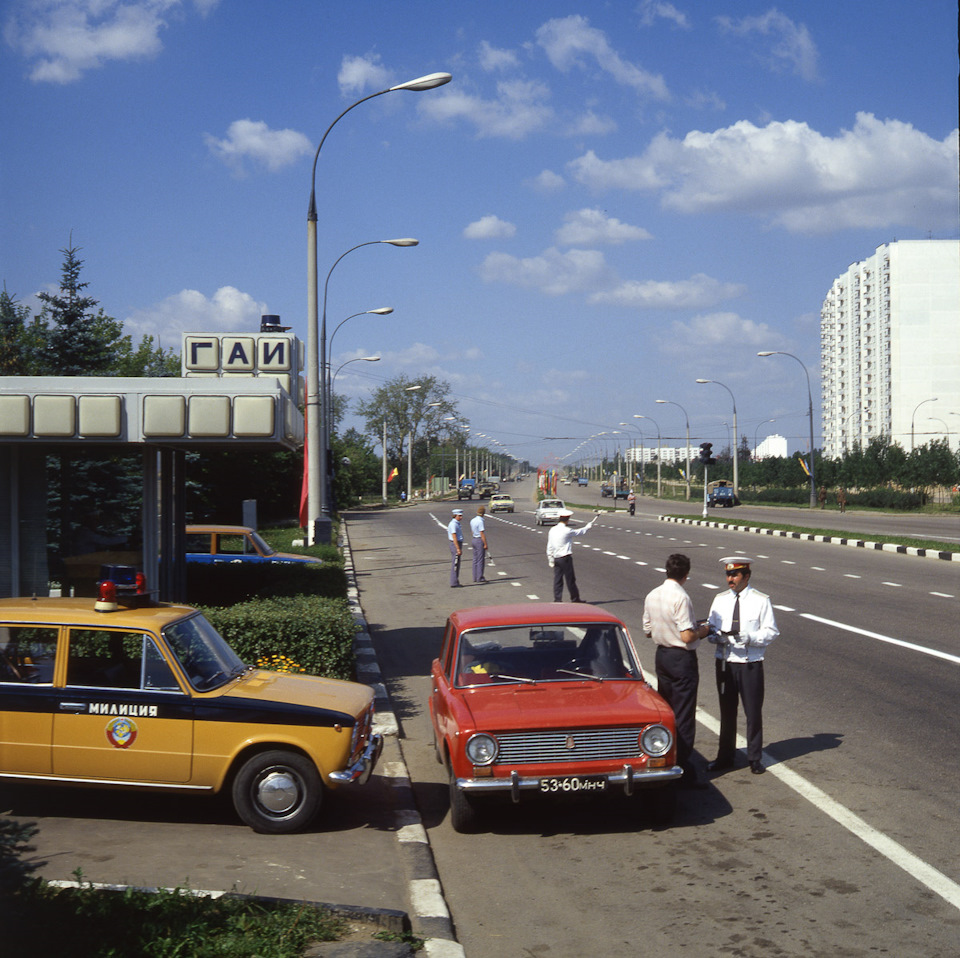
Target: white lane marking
{"points": [[787, 562], [709, 585], [818, 568], [883, 638], [943, 595], [850, 575], [895, 585], [533, 597], [640, 563], [784, 608]]}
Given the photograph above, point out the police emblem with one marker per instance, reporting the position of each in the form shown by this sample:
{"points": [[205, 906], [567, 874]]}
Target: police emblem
{"points": [[121, 732]]}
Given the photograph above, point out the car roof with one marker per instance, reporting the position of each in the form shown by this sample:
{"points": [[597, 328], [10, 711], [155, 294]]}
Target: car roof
{"points": [[531, 613], [230, 530], [81, 611]]}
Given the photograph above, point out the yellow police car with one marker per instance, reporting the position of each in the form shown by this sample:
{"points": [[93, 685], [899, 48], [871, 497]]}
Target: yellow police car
{"points": [[150, 696]]}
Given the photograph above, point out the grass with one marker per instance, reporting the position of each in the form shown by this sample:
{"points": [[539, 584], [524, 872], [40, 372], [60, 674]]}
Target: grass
{"points": [[87, 922]]}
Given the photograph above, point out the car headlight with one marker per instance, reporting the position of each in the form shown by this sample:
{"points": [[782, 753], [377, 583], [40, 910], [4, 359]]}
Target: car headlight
{"points": [[482, 749], [656, 740]]}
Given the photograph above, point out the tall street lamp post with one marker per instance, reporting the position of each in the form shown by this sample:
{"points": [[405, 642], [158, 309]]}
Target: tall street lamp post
{"points": [[736, 436], [319, 523], [914, 417], [687, 420], [813, 481], [637, 415], [756, 435]]}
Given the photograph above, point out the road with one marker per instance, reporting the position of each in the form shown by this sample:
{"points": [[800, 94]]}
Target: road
{"points": [[846, 847]]}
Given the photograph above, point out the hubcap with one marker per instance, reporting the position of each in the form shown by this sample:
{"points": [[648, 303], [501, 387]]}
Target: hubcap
{"points": [[277, 792]]}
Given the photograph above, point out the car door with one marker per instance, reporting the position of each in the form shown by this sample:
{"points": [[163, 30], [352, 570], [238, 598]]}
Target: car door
{"points": [[28, 698], [121, 715]]}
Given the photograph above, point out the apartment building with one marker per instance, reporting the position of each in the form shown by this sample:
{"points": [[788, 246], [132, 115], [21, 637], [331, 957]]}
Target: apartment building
{"points": [[890, 348]]}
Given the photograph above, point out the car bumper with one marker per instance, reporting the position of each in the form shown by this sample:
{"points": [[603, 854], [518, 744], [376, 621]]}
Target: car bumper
{"points": [[362, 769], [515, 783]]}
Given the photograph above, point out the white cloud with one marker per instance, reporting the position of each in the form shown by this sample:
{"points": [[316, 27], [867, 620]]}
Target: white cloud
{"points": [[255, 141], [881, 173], [552, 272], [65, 38], [520, 108], [589, 227], [548, 182], [359, 74], [571, 41], [592, 124], [652, 10], [793, 48], [712, 334], [698, 292], [489, 227], [188, 311], [493, 59]]}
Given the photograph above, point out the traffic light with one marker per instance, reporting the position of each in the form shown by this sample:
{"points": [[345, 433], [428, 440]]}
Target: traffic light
{"points": [[706, 453]]}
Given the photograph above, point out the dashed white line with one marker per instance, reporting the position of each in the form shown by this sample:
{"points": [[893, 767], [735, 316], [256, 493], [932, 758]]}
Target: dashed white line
{"points": [[895, 585]]}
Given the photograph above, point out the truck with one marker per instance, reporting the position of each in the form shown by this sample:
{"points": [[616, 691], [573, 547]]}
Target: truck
{"points": [[486, 488], [720, 493], [466, 488]]}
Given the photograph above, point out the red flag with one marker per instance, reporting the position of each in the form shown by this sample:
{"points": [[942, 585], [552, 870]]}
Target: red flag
{"points": [[305, 485], [393, 474]]}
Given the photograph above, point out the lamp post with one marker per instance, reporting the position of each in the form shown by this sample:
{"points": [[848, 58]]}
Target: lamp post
{"points": [[736, 472], [914, 417], [756, 433], [635, 460], [358, 359], [813, 481], [318, 514], [687, 420], [654, 421]]}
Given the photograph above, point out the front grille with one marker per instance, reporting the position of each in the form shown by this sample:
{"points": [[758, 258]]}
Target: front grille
{"points": [[554, 745]]}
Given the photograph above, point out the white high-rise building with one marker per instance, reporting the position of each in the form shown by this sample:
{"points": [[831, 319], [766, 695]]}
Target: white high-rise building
{"points": [[773, 446], [890, 348]]}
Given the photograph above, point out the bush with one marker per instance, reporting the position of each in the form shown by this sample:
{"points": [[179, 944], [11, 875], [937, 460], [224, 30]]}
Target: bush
{"points": [[228, 583], [315, 632]]}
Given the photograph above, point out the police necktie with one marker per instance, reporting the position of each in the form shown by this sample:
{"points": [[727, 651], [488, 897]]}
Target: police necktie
{"points": [[735, 620]]}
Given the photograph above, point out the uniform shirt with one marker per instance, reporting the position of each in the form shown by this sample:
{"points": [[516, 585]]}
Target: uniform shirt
{"points": [[758, 628], [558, 539], [454, 532], [668, 611], [476, 526]]}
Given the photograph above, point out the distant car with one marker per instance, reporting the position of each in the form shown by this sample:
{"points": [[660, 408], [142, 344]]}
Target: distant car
{"points": [[722, 496], [581, 481], [214, 544], [566, 480], [547, 700], [126, 693], [548, 510], [486, 488], [501, 502]]}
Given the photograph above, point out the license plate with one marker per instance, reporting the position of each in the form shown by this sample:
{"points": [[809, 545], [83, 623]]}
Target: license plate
{"points": [[574, 783]]}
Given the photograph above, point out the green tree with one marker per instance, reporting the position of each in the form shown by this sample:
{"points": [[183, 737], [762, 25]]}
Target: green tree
{"points": [[357, 468], [14, 320], [148, 359]]}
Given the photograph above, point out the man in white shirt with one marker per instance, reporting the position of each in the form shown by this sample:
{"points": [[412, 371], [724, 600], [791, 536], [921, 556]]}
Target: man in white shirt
{"points": [[741, 626], [560, 555], [668, 619], [455, 537], [479, 544]]}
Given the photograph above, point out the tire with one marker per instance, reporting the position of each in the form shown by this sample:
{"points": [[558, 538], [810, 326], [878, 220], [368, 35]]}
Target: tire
{"points": [[660, 804], [277, 792], [463, 810]]}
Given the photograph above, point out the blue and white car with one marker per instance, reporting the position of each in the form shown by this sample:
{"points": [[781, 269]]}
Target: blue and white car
{"points": [[216, 544]]}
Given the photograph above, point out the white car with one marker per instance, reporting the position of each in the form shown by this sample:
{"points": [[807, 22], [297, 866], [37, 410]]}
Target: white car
{"points": [[501, 502], [548, 510]]}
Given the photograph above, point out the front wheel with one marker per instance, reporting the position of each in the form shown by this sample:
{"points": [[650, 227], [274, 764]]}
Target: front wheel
{"points": [[463, 811], [277, 792]]}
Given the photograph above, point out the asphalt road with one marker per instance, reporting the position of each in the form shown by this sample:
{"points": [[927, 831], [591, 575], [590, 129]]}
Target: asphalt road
{"points": [[846, 847]]}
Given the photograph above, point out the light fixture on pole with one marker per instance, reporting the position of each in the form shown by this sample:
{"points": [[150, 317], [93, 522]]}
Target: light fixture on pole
{"points": [[319, 523], [756, 433], [736, 439], [813, 481], [914, 416], [687, 419], [358, 359]]}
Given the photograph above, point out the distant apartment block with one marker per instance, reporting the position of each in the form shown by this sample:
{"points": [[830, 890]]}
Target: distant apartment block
{"points": [[890, 348], [774, 446]]}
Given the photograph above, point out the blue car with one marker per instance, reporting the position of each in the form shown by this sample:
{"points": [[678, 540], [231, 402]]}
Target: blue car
{"points": [[209, 545]]}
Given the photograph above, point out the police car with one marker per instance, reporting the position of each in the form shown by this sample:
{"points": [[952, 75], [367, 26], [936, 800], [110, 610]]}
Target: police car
{"points": [[146, 695]]}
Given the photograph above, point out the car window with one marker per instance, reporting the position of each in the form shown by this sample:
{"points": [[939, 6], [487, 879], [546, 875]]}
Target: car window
{"points": [[234, 545], [27, 654], [545, 653], [198, 542], [117, 659], [202, 652]]}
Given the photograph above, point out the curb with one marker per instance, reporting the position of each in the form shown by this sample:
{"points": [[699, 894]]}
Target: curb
{"points": [[810, 537], [430, 918]]}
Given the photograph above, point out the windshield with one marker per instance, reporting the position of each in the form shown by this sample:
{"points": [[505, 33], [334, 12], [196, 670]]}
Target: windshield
{"points": [[551, 504], [262, 547], [531, 654], [203, 654]]}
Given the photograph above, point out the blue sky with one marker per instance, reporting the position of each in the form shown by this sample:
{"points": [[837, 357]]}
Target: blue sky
{"points": [[612, 199]]}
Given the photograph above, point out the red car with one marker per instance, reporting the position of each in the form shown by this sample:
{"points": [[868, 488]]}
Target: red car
{"points": [[548, 699]]}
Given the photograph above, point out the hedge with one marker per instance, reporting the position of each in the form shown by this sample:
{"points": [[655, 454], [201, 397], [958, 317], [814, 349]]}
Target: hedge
{"points": [[227, 583]]}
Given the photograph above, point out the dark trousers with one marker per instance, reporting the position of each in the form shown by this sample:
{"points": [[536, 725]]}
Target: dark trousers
{"points": [[479, 558], [454, 564], [678, 678], [563, 572], [740, 682]]}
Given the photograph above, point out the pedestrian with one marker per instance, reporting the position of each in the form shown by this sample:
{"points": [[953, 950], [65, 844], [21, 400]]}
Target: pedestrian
{"points": [[822, 496], [479, 543], [632, 502], [742, 626], [560, 555], [842, 499], [455, 535], [668, 619]]}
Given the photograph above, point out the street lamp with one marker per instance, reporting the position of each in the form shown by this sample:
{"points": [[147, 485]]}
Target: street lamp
{"points": [[813, 482], [736, 472], [687, 419], [358, 359], [756, 433], [659, 457], [318, 514], [914, 416]]}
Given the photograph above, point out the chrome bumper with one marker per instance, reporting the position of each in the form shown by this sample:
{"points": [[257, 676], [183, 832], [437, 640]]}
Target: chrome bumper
{"points": [[362, 769], [629, 777]]}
